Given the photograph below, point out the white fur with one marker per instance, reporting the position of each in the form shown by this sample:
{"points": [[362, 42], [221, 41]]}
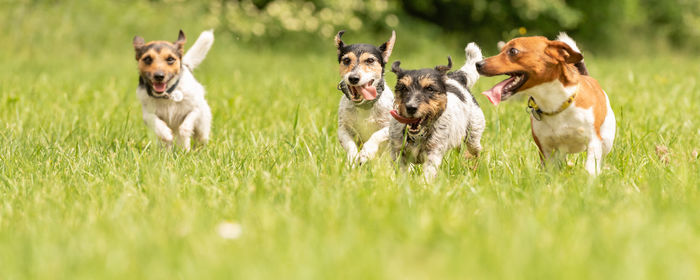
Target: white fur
{"points": [[462, 121], [196, 54], [178, 121], [368, 126], [572, 130]]}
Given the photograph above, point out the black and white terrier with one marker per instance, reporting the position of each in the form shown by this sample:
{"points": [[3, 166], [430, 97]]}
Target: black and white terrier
{"points": [[363, 113], [435, 112], [173, 103]]}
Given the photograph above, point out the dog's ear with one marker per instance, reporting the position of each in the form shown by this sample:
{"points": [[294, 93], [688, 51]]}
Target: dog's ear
{"points": [[563, 52], [444, 68], [338, 41], [396, 69], [180, 43], [387, 47], [138, 44]]}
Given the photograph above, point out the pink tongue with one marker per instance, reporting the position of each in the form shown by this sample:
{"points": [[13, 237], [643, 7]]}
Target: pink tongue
{"points": [[494, 94], [159, 87], [369, 92]]}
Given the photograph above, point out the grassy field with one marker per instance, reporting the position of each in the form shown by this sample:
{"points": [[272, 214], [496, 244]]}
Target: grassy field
{"points": [[87, 193]]}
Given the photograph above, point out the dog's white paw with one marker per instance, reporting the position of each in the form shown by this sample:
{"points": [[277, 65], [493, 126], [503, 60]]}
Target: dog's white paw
{"points": [[366, 154], [363, 158], [352, 158], [185, 131], [165, 136]]}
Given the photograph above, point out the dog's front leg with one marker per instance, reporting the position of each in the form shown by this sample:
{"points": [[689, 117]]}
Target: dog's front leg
{"points": [[186, 129], [370, 148], [348, 142], [432, 163], [160, 128], [594, 157]]}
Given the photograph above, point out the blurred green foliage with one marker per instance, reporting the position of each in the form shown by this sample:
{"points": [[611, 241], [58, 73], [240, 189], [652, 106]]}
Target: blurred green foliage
{"points": [[623, 26], [599, 23], [271, 19], [602, 23]]}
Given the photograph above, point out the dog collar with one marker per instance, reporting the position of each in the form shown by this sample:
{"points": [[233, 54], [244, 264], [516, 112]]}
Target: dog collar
{"points": [[537, 113], [362, 104], [164, 96]]}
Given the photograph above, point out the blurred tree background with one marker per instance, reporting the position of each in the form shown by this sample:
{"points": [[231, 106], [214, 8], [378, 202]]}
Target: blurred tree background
{"points": [[601, 24], [623, 26]]}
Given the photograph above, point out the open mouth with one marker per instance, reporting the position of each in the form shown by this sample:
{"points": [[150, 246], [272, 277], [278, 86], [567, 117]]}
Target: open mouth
{"points": [[367, 92], [506, 88], [414, 124], [159, 87]]}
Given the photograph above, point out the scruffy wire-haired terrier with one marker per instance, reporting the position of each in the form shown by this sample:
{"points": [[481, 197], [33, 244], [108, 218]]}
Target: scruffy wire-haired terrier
{"points": [[363, 112], [173, 103], [435, 112]]}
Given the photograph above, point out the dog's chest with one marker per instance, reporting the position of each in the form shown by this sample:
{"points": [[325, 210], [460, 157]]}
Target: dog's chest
{"points": [[413, 151], [173, 113], [367, 122], [570, 131]]}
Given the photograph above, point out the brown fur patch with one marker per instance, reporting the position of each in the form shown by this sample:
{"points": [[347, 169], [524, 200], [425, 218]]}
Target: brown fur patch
{"points": [[370, 63], [534, 58], [159, 52], [344, 69], [590, 94], [406, 81], [433, 108], [424, 82]]}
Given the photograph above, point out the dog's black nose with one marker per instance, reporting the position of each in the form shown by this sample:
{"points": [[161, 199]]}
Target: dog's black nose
{"points": [[480, 65], [159, 77], [354, 79], [411, 110]]}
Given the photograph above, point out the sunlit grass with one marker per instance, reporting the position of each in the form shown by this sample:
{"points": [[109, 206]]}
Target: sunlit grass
{"points": [[86, 192]]}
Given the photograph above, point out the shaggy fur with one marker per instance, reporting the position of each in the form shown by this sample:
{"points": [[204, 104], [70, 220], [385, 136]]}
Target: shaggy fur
{"points": [[436, 112]]}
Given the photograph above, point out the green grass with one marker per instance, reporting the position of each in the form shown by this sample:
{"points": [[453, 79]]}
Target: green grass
{"points": [[87, 193]]}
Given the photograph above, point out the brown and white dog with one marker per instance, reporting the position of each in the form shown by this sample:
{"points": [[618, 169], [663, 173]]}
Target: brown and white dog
{"points": [[172, 100], [569, 111]]}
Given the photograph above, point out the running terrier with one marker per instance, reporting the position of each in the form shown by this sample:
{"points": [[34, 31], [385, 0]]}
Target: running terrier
{"points": [[569, 111], [172, 100], [363, 113], [435, 112]]}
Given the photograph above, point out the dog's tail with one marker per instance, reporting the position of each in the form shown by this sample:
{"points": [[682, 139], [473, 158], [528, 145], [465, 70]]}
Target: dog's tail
{"points": [[196, 54], [581, 66], [473, 54]]}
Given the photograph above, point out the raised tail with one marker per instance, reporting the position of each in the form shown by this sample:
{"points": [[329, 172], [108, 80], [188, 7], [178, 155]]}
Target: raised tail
{"points": [[473, 54], [196, 54], [581, 66]]}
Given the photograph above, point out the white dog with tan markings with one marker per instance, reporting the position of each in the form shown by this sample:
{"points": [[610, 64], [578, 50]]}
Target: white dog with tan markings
{"points": [[172, 100], [363, 113]]}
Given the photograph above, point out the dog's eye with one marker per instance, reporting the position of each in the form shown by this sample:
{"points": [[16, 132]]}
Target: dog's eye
{"points": [[513, 51], [346, 61], [148, 60], [370, 60], [430, 88], [170, 60]]}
